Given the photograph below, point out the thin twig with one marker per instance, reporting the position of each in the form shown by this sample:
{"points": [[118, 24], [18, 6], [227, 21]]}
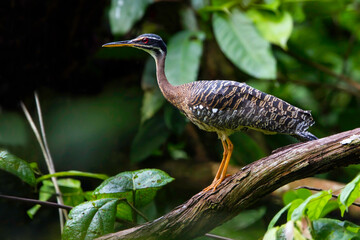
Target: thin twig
{"points": [[62, 213], [48, 157], [319, 190], [35, 201], [135, 209]]}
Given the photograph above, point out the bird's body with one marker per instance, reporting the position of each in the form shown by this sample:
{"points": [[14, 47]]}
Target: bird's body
{"points": [[224, 106], [227, 106]]}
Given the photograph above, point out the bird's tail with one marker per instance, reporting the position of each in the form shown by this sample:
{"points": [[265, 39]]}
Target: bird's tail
{"points": [[305, 136]]}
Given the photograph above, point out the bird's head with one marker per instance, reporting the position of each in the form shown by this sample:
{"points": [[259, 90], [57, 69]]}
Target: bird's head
{"points": [[148, 42]]}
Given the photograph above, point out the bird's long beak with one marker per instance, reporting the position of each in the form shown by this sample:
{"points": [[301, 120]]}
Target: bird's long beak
{"points": [[127, 43]]}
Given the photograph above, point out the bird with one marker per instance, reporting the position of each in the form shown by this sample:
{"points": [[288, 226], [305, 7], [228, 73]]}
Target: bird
{"points": [[224, 106]]}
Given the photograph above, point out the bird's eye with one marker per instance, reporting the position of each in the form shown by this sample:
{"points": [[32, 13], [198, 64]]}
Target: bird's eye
{"points": [[145, 40]]}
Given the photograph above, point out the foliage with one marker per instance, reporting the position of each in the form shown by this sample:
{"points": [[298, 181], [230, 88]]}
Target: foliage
{"points": [[117, 197], [306, 212], [17, 166]]}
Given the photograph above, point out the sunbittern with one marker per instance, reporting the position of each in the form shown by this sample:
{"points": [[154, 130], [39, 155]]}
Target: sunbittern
{"points": [[223, 106]]}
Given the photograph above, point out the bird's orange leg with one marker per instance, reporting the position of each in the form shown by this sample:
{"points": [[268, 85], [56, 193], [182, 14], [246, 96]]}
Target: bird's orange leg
{"points": [[221, 173], [230, 150]]}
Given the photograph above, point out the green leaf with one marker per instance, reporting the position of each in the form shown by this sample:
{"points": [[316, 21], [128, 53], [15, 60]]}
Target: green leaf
{"points": [[240, 41], [133, 181], [123, 14], [332, 229], [183, 58], [313, 206], [137, 187], [91, 219], [149, 138], [17, 166], [276, 28], [349, 194], [45, 193], [70, 189]]}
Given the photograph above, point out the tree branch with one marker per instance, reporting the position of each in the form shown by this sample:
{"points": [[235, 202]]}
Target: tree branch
{"points": [[205, 211]]}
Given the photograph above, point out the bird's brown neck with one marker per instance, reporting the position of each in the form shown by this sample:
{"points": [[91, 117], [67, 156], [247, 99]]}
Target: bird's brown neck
{"points": [[169, 91]]}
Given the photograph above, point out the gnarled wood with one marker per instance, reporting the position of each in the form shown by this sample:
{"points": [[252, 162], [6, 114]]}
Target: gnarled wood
{"points": [[205, 211]]}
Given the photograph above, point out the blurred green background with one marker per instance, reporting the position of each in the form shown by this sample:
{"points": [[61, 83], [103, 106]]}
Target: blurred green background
{"points": [[103, 111]]}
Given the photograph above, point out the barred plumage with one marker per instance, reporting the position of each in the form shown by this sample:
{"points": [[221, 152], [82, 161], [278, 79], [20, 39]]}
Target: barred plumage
{"points": [[232, 106], [224, 106]]}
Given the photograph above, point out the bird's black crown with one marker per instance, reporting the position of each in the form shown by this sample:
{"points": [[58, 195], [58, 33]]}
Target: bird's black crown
{"points": [[151, 41]]}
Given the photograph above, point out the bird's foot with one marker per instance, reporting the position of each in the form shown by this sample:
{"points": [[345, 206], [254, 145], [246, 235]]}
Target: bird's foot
{"points": [[215, 184]]}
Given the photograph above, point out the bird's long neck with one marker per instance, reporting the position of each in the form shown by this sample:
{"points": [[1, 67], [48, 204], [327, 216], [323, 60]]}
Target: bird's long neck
{"points": [[169, 91]]}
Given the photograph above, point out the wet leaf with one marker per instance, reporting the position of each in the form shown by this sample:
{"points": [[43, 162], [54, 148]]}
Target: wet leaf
{"points": [[91, 219], [17, 166], [137, 188]]}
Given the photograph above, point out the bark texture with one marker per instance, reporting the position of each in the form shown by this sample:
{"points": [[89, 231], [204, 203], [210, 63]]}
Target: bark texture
{"points": [[205, 211]]}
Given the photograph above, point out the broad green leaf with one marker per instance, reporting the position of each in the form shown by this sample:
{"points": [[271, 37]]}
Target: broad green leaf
{"points": [[134, 181], [17, 166], [91, 219], [123, 14], [240, 41], [313, 206], [183, 58], [70, 189], [349, 194], [332, 229], [149, 138], [137, 187], [276, 28], [329, 207], [153, 99]]}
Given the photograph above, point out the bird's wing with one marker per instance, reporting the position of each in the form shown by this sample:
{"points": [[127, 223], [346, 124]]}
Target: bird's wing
{"points": [[229, 105]]}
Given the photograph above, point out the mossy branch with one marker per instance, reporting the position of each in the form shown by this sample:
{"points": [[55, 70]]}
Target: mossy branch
{"points": [[205, 211]]}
